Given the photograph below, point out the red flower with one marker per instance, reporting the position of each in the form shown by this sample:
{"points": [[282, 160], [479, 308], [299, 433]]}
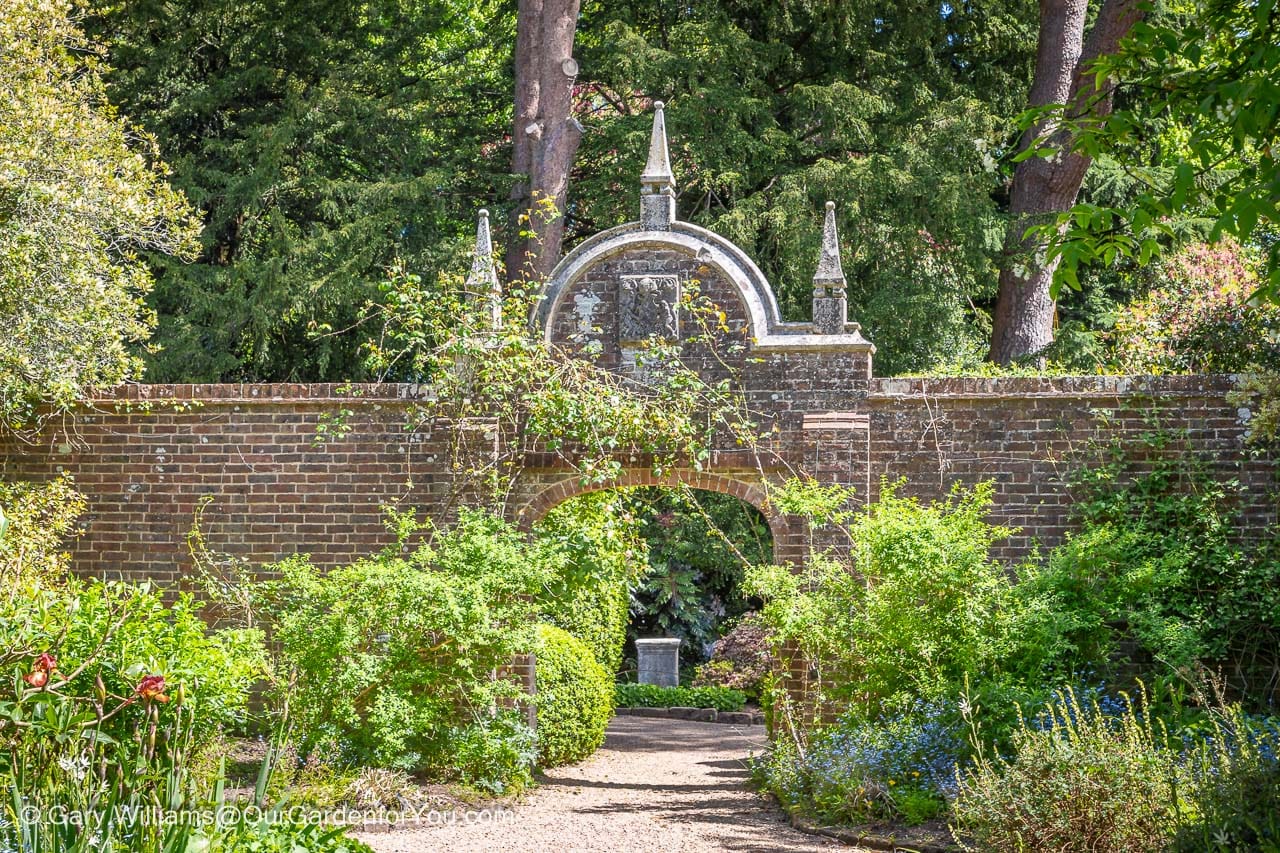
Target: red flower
{"points": [[44, 666], [151, 688]]}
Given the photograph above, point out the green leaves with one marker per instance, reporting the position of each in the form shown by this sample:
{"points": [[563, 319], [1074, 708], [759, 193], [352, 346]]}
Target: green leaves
{"points": [[1196, 123], [82, 197], [320, 141]]}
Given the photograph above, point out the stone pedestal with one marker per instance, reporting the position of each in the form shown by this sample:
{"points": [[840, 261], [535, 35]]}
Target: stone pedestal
{"points": [[830, 314], [658, 662]]}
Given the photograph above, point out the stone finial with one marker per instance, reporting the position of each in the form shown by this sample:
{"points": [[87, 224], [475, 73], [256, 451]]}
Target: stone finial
{"points": [[658, 184], [483, 283], [830, 274], [830, 306]]}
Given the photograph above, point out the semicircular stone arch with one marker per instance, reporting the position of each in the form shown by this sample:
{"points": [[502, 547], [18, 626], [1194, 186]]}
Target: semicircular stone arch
{"points": [[790, 534], [696, 246]]}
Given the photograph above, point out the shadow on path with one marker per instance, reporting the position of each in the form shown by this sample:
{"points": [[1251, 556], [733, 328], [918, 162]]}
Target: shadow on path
{"points": [[655, 786]]}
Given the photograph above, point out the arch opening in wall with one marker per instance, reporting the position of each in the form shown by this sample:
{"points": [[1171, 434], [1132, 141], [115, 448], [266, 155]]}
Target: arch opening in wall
{"points": [[687, 552]]}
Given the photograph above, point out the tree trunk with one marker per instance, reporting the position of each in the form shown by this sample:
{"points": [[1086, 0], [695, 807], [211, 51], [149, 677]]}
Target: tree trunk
{"points": [[1044, 186], [544, 137]]}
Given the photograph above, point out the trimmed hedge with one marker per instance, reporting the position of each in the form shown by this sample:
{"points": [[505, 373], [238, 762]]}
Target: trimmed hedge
{"points": [[653, 696], [574, 699]]}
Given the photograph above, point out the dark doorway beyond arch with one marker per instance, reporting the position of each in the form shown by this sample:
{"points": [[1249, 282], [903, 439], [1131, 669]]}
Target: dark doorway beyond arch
{"points": [[685, 577]]}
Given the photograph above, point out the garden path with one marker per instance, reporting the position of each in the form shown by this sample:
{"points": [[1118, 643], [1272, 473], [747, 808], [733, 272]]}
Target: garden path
{"points": [[655, 786]]}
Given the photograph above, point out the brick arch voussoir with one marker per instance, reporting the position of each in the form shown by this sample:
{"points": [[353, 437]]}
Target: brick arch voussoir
{"points": [[784, 529]]}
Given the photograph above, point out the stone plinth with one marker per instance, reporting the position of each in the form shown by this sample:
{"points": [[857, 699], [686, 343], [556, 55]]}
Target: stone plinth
{"points": [[658, 662]]}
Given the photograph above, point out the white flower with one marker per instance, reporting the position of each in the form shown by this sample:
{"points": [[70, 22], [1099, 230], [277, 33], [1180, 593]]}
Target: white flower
{"points": [[74, 767]]}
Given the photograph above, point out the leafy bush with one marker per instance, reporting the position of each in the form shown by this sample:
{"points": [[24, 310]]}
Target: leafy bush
{"points": [[598, 549], [392, 657], [900, 768], [1233, 786], [741, 658], [107, 696], [922, 605], [699, 543], [39, 518], [494, 754], [575, 698], [1198, 317], [99, 640], [653, 696], [1079, 780], [1163, 550], [275, 835]]}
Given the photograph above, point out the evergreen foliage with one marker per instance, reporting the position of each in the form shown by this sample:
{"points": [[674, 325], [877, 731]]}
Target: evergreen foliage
{"points": [[598, 540], [319, 141], [575, 698]]}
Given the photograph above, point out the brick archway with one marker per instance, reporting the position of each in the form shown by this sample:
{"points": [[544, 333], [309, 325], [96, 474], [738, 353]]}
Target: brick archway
{"points": [[790, 534]]}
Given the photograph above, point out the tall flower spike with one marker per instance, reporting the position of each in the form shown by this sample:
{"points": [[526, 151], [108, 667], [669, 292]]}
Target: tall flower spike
{"points": [[483, 281], [658, 184], [830, 274]]}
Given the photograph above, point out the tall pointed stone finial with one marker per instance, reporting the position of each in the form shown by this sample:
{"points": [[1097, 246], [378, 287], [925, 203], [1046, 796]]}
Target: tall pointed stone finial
{"points": [[658, 184], [830, 274], [830, 305], [483, 281]]}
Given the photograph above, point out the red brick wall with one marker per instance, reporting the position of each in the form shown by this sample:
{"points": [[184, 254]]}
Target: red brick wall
{"points": [[251, 449], [1028, 434]]}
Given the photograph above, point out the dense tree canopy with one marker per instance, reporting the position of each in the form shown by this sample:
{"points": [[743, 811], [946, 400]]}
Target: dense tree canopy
{"points": [[81, 194], [319, 141], [896, 111], [325, 143]]}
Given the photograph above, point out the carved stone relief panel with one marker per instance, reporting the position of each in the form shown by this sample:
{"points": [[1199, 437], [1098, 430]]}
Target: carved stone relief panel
{"points": [[648, 306]]}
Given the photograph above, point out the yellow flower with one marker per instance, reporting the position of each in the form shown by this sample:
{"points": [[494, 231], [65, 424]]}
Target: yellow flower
{"points": [[891, 782]]}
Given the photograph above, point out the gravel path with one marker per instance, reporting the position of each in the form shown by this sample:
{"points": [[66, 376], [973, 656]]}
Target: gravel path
{"points": [[656, 785]]}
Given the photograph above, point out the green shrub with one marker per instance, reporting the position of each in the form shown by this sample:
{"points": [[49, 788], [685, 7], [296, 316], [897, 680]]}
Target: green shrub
{"points": [[105, 696], [901, 768], [495, 754], [1232, 787], [921, 605], [392, 657], [1078, 780], [104, 640], [598, 550], [741, 659], [1197, 314], [575, 698], [1164, 550], [274, 835], [698, 545], [39, 517], [654, 696]]}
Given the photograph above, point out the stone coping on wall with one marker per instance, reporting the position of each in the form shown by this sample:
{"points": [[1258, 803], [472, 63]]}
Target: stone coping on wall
{"points": [[268, 392], [1025, 387], [878, 390]]}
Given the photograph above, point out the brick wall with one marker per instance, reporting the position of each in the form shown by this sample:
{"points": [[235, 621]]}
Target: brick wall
{"points": [[146, 458], [1029, 434]]}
